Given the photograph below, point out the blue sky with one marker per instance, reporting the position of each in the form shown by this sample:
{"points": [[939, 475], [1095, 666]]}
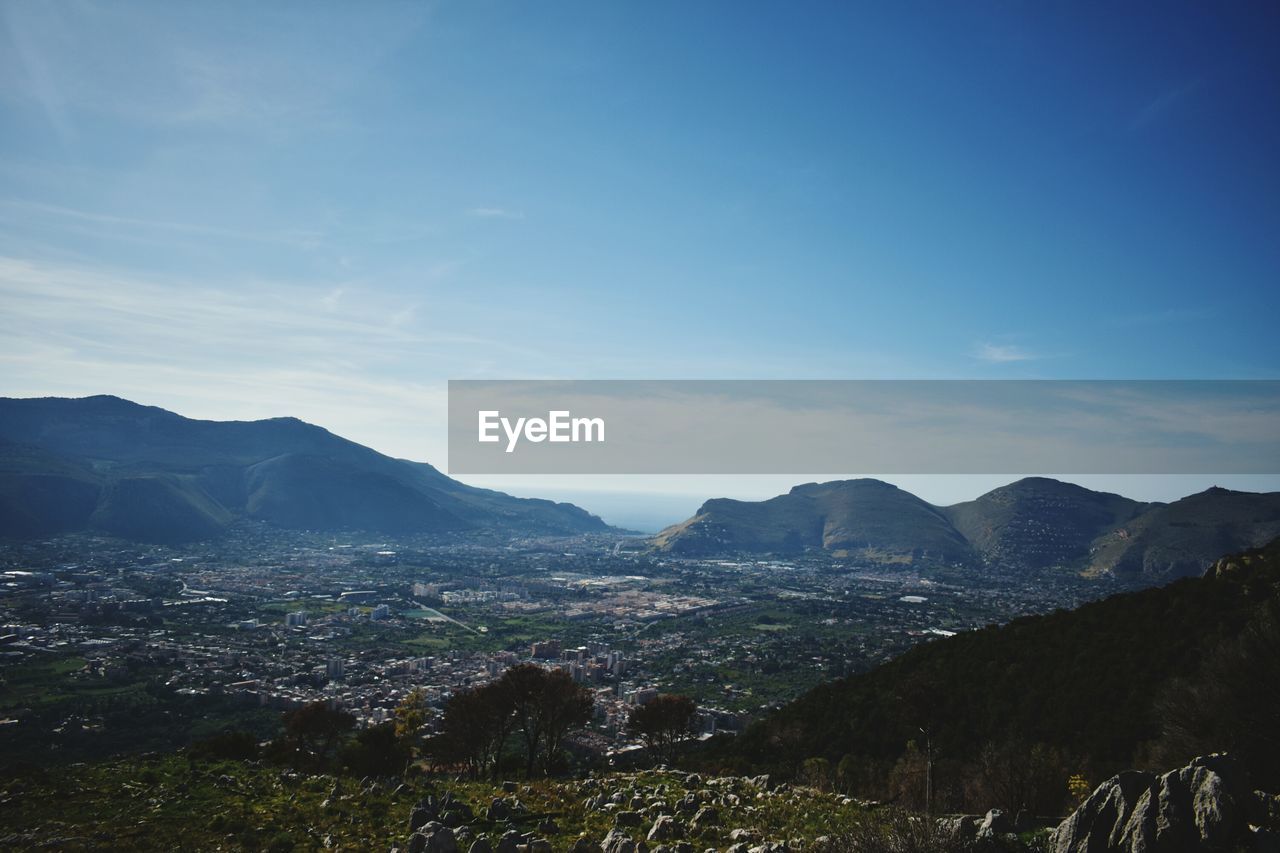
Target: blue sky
{"points": [[327, 210]]}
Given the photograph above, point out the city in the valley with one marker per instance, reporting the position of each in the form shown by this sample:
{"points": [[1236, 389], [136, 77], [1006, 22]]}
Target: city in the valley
{"points": [[103, 640]]}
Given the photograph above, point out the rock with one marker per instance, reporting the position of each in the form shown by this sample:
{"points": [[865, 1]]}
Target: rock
{"points": [[509, 787], [584, 845], [438, 838], [510, 842], [706, 816], [419, 817], [539, 845], [1206, 805], [480, 845], [616, 842], [960, 829], [743, 835], [994, 825], [665, 828], [769, 847], [417, 843], [626, 819]]}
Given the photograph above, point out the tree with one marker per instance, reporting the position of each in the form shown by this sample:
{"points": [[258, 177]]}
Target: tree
{"points": [[474, 729], [525, 684], [565, 705], [312, 732], [411, 717], [663, 722], [377, 751], [1232, 703]]}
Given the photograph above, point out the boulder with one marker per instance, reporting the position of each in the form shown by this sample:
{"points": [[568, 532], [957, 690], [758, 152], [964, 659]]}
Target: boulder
{"points": [[1207, 805], [617, 842], [994, 825], [707, 816], [628, 819], [437, 838], [510, 842], [665, 828], [480, 845]]}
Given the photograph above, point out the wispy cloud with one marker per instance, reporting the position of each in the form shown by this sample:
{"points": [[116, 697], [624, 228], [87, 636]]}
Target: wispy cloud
{"points": [[495, 213], [1002, 353], [362, 362], [297, 237], [1163, 103]]}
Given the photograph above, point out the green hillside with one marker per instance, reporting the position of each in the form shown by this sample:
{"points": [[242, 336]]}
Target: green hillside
{"points": [[1112, 683]]}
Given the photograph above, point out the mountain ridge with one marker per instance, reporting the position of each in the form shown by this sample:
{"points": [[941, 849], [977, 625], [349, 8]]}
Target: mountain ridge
{"points": [[142, 472], [1033, 522]]}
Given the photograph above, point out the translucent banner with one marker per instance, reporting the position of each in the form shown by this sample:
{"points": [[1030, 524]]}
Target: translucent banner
{"points": [[864, 426]]}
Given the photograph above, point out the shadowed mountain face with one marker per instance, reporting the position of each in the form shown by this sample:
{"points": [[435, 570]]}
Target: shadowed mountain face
{"points": [[139, 472], [1039, 522], [864, 517], [1032, 523], [1174, 671]]}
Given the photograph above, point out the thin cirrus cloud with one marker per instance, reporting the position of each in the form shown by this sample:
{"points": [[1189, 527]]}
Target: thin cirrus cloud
{"points": [[360, 362], [1164, 103], [495, 213], [1002, 353]]}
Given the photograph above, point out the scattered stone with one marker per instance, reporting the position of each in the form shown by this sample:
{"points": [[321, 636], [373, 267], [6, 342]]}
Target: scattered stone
{"points": [[584, 845], [617, 842], [510, 841], [665, 828]]}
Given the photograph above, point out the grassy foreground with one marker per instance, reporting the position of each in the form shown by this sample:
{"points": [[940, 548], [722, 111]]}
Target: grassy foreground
{"points": [[174, 803]]}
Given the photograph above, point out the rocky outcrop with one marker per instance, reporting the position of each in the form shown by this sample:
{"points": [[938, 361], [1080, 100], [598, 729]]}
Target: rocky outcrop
{"points": [[1206, 806]]}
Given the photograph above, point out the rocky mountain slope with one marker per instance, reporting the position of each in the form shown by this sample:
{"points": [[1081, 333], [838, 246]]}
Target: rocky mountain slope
{"points": [[848, 517], [140, 472], [1032, 523]]}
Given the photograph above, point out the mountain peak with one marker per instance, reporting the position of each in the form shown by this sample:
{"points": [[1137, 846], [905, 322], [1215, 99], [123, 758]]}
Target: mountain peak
{"points": [[158, 476]]}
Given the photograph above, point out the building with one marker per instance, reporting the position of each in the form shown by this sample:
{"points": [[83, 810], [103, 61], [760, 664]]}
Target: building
{"points": [[296, 619], [545, 650]]}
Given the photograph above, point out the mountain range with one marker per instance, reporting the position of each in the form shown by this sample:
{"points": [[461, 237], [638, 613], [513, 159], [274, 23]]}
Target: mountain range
{"points": [[1035, 522], [139, 472]]}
